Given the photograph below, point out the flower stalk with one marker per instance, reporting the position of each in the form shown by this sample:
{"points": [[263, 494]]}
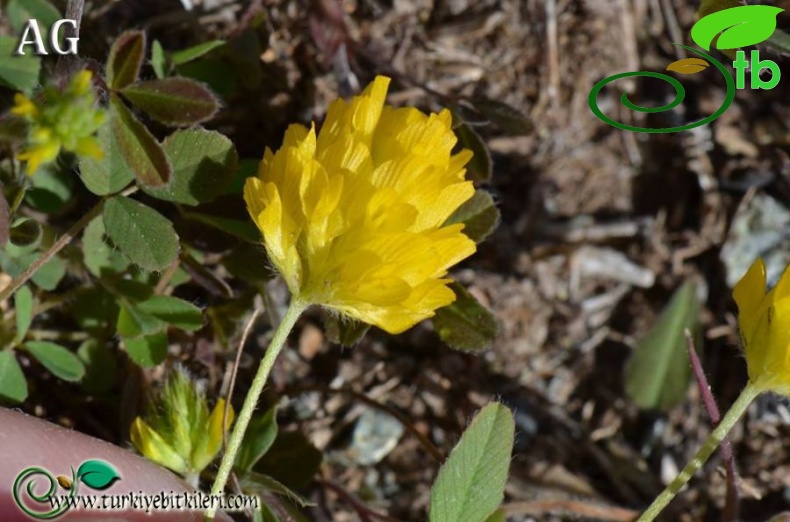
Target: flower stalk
{"points": [[251, 401], [749, 393]]}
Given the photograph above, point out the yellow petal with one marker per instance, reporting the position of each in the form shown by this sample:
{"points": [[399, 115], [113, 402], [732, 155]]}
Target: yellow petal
{"points": [[154, 448], [211, 443]]}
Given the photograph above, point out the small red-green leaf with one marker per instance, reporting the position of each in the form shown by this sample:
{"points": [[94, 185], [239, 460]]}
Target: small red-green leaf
{"points": [[465, 325], [505, 117], [126, 57], [479, 216], [147, 351], [203, 164], [138, 147], [480, 166], [173, 101], [142, 234], [688, 66], [62, 362], [13, 387]]}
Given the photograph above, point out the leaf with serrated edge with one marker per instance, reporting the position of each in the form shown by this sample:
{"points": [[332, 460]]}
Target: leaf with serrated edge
{"points": [[203, 164], [480, 166], [173, 101], [142, 234], [465, 324], [126, 58], [470, 485], [479, 216], [111, 173], [138, 147]]}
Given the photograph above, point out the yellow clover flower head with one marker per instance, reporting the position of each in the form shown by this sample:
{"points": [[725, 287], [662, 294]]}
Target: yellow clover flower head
{"points": [[64, 120], [353, 217], [179, 433], [764, 321]]}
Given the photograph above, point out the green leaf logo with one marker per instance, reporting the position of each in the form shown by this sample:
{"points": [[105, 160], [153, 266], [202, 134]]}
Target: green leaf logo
{"points": [[739, 26], [97, 474]]}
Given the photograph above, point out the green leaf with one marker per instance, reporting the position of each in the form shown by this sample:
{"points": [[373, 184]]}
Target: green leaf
{"points": [[147, 351], [479, 216], [133, 323], [18, 72], [243, 230], [173, 311], [471, 483], [259, 437], [97, 474], [465, 325], [110, 174], [173, 101], [203, 164], [101, 368], [52, 189], [158, 60], [138, 147], [658, 372], [144, 236], [742, 26], [292, 460], [13, 386], [98, 255], [23, 306], [193, 53], [497, 516], [126, 58], [20, 11], [480, 166], [505, 117], [49, 274], [62, 362]]}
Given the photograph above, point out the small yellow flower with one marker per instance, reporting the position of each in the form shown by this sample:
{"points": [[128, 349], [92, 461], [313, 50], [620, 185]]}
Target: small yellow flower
{"points": [[353, 217], [764, 321], [64, 120], [179, 433]]}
